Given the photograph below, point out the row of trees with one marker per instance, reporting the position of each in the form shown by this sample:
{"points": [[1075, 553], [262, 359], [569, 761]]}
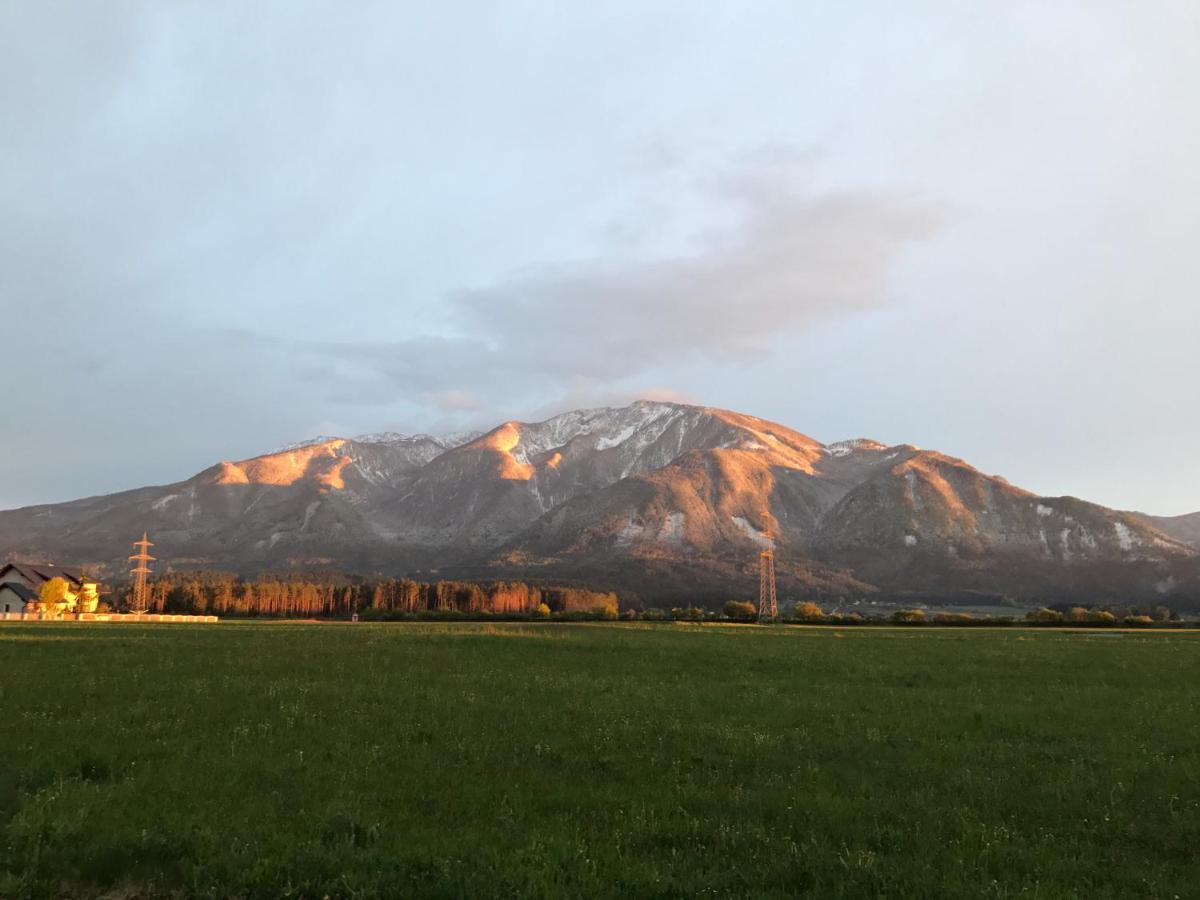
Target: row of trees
{"points": [[1076, 615], [225, 594], [334, 596], [742, 611]]}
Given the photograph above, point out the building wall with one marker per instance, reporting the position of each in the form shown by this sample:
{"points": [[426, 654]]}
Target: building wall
{"points": [[10, 601], [15, 576]]}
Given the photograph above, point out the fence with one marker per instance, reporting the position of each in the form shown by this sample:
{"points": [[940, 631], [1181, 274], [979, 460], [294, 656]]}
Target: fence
{"points": [[106, 617]]}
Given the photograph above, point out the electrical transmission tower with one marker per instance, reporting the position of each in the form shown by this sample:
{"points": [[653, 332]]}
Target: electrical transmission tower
{"points": [[141, 560], [768, 605]]}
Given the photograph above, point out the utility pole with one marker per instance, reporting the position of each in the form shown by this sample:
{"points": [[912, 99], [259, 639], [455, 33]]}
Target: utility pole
{"points": [[142, 560], [768, 605]]}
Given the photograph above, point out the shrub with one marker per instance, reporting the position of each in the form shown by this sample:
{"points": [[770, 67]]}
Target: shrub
{"points": [[953, 618], [1077, 614], [542, 611], [740, 611], [909, 617], [653, 615], [1138, 621], [606, 611], [1043, 616], [54, 597], [1100, 617], [809, 611]]}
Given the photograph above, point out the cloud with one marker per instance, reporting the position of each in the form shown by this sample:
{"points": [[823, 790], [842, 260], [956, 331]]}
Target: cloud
{"points": [[454, 400], [596, 331], [790, 259]]}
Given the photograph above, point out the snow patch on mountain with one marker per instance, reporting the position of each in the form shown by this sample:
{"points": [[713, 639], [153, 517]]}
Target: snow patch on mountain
{"points": [[638, 426], [446, 441], [672, 529], [455, 438], [381, 437], [300, 445], [308, 514], [753, 533], [606, 443], [1124, 535], [162, 503], [629, 533], [855, 445]]}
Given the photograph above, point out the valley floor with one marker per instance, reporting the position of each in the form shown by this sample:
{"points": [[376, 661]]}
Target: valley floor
{"points": [[602, 760]]}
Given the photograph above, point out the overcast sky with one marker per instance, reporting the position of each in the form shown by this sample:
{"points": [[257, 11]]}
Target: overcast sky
{"points": [[972, 227]]}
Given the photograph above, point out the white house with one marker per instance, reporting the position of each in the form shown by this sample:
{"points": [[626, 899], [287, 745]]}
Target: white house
{"points": [[20, 583]]}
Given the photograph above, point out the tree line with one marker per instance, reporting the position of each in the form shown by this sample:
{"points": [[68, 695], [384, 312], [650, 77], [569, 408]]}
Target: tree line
{"points": [[227, 594]]}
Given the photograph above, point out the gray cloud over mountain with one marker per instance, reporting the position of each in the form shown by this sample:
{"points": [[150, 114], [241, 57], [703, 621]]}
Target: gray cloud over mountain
{"points": [[786, 260], [790, 260]]}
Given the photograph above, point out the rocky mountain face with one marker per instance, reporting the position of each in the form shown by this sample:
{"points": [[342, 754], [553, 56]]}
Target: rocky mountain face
{"points": [[658, 500]]}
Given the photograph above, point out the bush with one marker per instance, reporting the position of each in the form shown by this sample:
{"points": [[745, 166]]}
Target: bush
{"points": [[653, 615], [606, 612], [53, 598], [809, 611], [1100, 617], [1043, 616], [542, 611], [740, 611], [909, 617], [1077, 614], [1138, 621], [955, 618]]}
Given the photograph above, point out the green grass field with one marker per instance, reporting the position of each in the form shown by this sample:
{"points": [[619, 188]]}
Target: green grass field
{"points": [[620, 760]]}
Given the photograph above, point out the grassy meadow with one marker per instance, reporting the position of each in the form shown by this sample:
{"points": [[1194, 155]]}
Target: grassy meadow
{"points": [[546, 760]]}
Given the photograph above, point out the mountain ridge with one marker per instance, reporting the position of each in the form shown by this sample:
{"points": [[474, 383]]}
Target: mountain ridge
{"points": [[653, 498]]}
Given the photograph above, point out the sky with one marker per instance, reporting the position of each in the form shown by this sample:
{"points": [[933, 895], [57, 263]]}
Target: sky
{"points": [[226, 227]]}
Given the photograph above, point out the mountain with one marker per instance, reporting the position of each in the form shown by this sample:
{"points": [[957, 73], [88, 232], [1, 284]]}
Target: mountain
{"points": [[1185, 528], [659, 500]]}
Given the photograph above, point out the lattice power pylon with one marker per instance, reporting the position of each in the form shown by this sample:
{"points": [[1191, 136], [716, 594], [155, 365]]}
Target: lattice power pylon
{"points": [[141, 569], [768, 605]]}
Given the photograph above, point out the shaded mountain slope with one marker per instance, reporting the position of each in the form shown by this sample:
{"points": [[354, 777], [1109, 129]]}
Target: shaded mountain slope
{"points": [[1185, 528]]}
